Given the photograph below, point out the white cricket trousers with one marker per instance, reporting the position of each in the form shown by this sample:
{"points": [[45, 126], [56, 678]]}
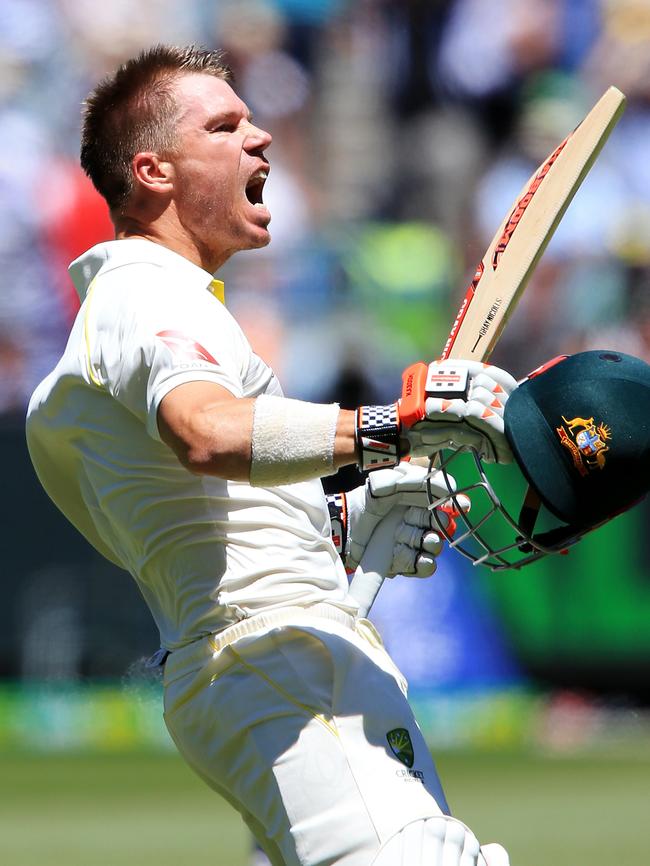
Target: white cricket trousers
{"points": [[288, 716]]}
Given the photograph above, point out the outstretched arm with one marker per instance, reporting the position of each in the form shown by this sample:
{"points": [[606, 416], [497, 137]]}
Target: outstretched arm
{"points": [[271, 440], [212, 432]]}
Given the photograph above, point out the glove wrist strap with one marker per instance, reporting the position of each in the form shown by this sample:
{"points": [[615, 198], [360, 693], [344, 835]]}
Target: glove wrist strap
{"points": [[378, 437], [337, 507]]}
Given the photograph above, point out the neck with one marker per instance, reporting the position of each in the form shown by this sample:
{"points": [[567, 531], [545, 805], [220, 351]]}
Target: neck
{"points": [[171, 234]]}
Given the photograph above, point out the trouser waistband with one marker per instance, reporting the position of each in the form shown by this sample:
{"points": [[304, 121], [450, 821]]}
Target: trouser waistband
{"points": [[261, 621], [282, 616]]}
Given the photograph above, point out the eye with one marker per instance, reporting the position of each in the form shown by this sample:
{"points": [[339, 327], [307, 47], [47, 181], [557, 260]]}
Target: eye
{"points": [[224, 127]]}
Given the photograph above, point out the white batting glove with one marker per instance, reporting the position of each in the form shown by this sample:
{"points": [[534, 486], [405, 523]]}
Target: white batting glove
{"points": [[445, 404], [416, 544], [461, 403], [495, 855]]}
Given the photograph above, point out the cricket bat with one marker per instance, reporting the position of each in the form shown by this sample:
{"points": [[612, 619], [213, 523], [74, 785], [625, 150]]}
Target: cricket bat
{"points": [[503, 273]]}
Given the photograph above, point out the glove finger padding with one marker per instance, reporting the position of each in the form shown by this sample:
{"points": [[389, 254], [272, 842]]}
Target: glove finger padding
{"points": [[500, 377], [415, 550], [428, 437], [415, 547], [420, 517], [404, 481], [419, 541], [410, 562], [488, 391], [470, 415], [415, 542], [403, 486], [467, 423], [500, 381], [483, 397]]}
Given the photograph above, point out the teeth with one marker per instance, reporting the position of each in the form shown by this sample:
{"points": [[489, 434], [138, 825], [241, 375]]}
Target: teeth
{"points": [[259, 175]]}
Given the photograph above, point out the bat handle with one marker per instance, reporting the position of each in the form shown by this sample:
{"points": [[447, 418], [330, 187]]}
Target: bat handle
{"points": [[369, 576]]}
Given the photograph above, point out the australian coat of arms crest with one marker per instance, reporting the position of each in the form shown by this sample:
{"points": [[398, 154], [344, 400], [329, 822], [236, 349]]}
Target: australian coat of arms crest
{"points": [[586, 441]]}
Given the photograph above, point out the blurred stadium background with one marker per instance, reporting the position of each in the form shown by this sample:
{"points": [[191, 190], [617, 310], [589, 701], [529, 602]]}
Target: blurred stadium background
{"points": [[402, 131]]}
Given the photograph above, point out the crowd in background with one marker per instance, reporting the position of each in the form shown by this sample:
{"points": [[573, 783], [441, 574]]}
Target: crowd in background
{"points": [[403, 130]]}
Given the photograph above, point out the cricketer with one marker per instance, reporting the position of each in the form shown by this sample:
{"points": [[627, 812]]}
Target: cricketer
{"points": [[170, 446]]}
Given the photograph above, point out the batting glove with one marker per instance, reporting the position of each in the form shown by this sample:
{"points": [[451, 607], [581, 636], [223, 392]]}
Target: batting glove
{"points": [[456, 403], [358, 515], [447, 404]]}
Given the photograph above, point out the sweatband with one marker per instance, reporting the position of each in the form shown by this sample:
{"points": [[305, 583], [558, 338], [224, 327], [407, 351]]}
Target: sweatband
{"points": [[292, 440]]}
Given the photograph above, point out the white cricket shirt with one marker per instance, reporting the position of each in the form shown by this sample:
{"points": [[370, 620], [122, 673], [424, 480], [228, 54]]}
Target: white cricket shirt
{"points": [[205, 552]]}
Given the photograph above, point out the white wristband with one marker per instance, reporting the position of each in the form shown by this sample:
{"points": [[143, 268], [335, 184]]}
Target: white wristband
{"points": [[292, 440]]}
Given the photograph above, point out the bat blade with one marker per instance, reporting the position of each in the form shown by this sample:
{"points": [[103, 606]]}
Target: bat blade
{"points": [[522, 237]]}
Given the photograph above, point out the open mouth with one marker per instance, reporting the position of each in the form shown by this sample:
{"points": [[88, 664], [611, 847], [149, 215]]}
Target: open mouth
{"points": [[255, 186]]}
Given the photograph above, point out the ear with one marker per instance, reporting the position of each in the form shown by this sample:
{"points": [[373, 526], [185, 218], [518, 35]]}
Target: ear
{"points": [[152, 173]]}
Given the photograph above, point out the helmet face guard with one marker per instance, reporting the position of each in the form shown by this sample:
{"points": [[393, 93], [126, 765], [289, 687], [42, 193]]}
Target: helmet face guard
{"points": [[579, 430], [494, 533]]}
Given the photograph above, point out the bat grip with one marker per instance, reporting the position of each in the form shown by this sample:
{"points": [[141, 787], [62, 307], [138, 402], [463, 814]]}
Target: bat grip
{"points": [[369, 576]]}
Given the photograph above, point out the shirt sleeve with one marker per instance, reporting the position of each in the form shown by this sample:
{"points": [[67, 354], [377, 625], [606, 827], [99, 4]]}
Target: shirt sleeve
{"points": [[167, 339]]}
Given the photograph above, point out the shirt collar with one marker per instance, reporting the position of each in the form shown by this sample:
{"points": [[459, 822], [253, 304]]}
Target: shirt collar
{"points": [[218, 289], [113, 254]]}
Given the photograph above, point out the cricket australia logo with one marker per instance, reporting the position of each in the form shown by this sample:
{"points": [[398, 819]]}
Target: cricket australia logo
{"points": [[401, 746], [184, 349], [586, 442]]}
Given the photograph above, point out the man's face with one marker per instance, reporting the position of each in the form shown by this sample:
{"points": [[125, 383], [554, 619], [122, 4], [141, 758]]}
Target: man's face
{"points": [[220, 169]]}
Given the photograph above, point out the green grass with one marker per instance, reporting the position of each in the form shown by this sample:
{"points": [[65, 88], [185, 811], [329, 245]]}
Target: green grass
{"points": [[554, 811], [149, 810], [122, 810]]}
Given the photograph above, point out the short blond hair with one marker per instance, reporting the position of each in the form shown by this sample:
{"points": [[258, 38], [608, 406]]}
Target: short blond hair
{"points": [[135, 110]]}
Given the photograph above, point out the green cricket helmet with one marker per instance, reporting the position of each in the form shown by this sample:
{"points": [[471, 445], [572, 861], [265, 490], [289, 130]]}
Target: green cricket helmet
{"points": [[579, 430]]}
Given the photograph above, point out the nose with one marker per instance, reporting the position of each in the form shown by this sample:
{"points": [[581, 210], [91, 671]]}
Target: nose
{"points": [[257, 139]]}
